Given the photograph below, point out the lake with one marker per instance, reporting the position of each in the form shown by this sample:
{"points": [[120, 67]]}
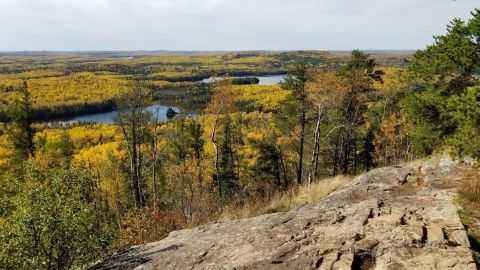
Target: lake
{"points": [[107, 117], [263, 80]]}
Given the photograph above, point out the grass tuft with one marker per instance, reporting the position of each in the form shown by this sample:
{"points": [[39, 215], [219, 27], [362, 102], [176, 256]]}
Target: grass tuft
{"points": [[319, 190], [286, 200]]}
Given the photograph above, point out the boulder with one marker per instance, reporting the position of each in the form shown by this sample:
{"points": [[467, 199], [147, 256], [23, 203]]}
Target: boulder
{"points": [[398, 217]]}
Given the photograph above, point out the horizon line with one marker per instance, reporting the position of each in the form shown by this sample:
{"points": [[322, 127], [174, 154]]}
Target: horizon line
{"points": [[205, 51]]}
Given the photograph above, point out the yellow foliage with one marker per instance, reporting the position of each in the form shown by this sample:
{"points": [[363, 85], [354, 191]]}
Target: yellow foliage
{"points": [[390, 79], [97, 154], [267, 97], [83, 136], [76, 89], [391, 140], [5, 150]]}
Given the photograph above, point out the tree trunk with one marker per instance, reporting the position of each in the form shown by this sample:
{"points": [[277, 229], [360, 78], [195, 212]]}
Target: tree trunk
{"points": [[301, 150], [312, 174], [215, 145], [284, 169]]}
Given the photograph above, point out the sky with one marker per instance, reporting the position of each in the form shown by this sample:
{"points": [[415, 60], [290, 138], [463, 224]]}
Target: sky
{"points": [[225, 25]]}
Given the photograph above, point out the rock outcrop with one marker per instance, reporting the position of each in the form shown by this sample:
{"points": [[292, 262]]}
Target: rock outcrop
{"points": [[401, 217]]}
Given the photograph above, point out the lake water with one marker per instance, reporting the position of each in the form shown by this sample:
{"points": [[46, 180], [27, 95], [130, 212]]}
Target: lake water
{"points": [[263, 80], [107, 117]]}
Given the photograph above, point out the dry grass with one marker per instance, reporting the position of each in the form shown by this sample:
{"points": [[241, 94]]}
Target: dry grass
{"points": [[469, 200], [319, 190], [420, 162], [469, 187], [433, 158], [470, 215], [287, 200]]}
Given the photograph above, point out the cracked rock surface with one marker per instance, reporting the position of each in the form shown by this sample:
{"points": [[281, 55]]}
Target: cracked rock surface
{"points": [[401, 217]]}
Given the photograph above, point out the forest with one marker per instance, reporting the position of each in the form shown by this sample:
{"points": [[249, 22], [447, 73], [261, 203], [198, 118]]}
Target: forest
{"points": [[63, 85], [71, 194]]}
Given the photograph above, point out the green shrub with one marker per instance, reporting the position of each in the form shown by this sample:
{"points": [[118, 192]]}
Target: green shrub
{"points": [[53, 224]]}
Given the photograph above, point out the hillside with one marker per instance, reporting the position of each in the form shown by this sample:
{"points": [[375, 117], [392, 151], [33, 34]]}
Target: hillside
{"points": [[400, 217]]}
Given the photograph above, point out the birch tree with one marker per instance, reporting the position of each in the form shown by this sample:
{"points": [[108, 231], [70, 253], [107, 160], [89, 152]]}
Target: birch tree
{"points": [[325, 91]]}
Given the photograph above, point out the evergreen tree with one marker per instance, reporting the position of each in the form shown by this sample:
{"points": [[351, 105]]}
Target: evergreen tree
{"points": [[297, 106], [226, 166], [171, 113], [268, 164], [442, 105], [360, 73], [196, 142], [448, 65], [20, 131]]}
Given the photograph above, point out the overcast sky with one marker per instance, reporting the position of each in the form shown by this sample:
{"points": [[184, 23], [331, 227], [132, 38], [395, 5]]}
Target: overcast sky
{"points": [[224, 24]]}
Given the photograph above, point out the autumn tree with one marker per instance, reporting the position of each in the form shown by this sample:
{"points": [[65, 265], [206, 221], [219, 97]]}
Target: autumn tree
{"points": [[187, 174], [222, 102], [134, 119], [391, 141], [325, 91], [154, 161]]}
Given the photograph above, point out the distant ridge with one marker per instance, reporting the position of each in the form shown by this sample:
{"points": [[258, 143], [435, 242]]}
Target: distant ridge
{"points": [[378, 52], [180, 52]]}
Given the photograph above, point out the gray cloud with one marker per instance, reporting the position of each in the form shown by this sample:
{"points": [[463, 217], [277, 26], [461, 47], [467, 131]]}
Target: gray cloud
{"points": [[224, 24]]}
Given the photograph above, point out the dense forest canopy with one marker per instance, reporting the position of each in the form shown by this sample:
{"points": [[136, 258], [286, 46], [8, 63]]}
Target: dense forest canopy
{"points": [[71, 194], [66, 84]]}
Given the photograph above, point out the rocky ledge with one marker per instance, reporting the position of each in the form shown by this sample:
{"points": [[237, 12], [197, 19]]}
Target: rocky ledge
{"points": [[401, 217]]}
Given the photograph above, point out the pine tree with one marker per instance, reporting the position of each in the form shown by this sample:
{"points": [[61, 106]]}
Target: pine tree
{"points": [[297, 106], [226, 171], [268, 164], [360, 73], [442, 106], [20, 131]]}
